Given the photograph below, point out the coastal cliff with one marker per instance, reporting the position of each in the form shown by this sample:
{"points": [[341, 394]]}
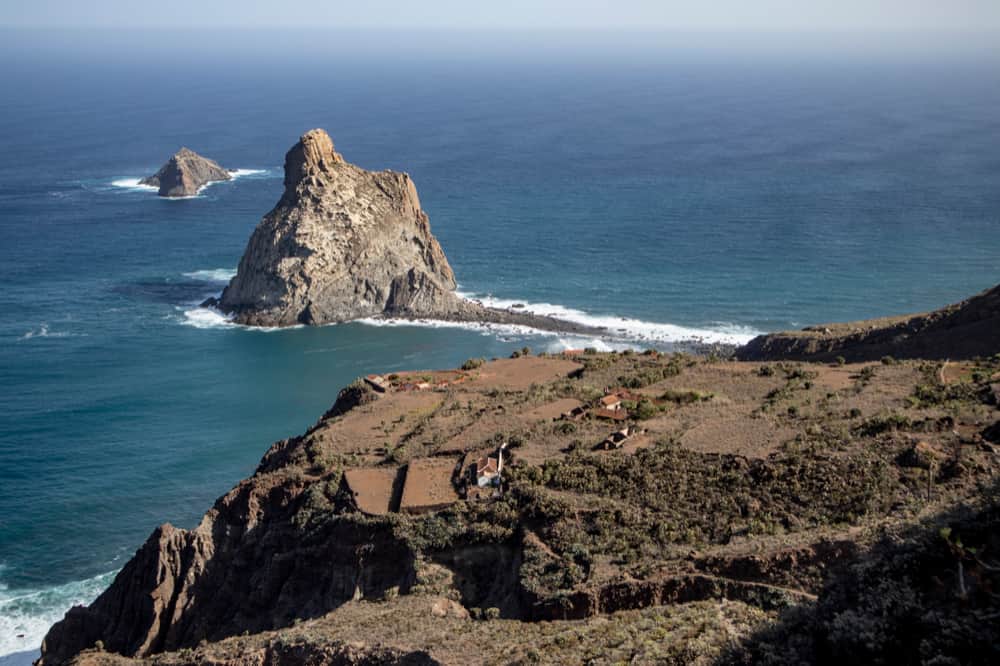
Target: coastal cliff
{"points": [[185, 173], [738, 490], [963, 330], [344, 243]]}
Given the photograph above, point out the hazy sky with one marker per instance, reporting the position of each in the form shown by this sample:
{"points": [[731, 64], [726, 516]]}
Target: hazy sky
{"points": [[696, 15]]}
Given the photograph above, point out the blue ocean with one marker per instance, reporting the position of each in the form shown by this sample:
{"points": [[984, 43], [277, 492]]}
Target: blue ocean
{"points": [[667, 196]]}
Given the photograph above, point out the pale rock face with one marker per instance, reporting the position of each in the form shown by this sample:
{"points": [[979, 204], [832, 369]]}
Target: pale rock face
{"points": [[342, 243], [185, 174]]}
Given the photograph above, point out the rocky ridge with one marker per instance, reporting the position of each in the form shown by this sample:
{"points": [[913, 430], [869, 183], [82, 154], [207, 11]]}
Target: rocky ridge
{"points": [[963, 330], [576, 533], [344, 243], [185, 173]]}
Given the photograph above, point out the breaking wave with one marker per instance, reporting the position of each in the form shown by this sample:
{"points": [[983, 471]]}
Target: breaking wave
{"points": [[134, 185], [43, 331], [625, 328], [220, 275], [622, 332], [205, 317], [27, 613]]}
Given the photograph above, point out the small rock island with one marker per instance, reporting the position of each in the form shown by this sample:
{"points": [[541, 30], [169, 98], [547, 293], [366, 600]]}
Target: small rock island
{"points": [[185, 173], [344, 243]]}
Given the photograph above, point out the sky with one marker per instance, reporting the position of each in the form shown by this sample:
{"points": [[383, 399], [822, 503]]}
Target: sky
{"points": [[653, 15]]}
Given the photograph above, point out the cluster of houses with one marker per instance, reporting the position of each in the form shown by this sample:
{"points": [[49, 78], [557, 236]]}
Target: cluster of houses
{"points": [[610, 407], [430, 484]]}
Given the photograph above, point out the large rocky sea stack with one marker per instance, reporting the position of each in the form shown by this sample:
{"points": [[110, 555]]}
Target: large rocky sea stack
{"points": [[185, 173], [344, 243]]}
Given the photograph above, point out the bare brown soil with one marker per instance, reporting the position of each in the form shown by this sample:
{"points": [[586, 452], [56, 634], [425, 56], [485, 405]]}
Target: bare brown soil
{"points": [[429, 485]]}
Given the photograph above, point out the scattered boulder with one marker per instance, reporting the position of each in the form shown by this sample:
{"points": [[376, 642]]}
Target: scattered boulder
{"points": [[992, 433], [921, 455], [446, 607]]}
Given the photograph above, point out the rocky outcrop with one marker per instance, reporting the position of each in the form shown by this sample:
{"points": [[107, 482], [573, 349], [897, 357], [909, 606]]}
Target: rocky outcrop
{"points": [[344, 243], [185, 174], [340, 243], [249, 566], [679, 589], [963, 330]]}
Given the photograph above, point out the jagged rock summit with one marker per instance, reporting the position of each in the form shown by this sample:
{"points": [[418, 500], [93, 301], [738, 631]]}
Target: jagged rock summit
{"points": [[185, 173], [344, 243]]}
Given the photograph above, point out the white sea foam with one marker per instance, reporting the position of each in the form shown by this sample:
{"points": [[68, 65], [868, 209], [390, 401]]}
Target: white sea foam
{"points": [[566, 343], [485, 328], [209, 318], [43, 331], [622, 332], [221, 275], [205, 317], [27, 613], [624, 328], [133, 184]]}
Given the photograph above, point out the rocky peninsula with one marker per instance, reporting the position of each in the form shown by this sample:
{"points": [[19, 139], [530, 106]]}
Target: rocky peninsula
{"points": [[959, 331], [344, 243], [589, 507], [185, 173]]}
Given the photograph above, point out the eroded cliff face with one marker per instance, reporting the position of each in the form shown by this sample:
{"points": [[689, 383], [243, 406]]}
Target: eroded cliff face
{"points": [[249, 566], [343, 243], [185, 173]]}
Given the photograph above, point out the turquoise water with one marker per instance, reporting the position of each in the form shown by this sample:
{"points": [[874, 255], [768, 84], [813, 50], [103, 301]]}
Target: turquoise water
{"points": [[669, 198]]}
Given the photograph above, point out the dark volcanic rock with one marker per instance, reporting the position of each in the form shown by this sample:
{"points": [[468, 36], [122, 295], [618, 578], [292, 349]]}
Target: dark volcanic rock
{"points": [[246, 567], [963, 330], [185, 174], [344, 243]]}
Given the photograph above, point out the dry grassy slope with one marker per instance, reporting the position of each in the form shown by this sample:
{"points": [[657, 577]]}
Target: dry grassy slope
{"points": [[960, 331], [754, 483]]}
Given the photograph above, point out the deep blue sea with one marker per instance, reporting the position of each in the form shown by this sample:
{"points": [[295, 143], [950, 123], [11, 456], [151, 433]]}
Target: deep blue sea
{"points": [[670, 197]]}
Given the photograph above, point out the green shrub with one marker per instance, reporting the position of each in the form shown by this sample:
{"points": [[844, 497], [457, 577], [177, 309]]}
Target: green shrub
{"points": [[645, 409], [686, 397], [473, 363], [882, 423]]}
